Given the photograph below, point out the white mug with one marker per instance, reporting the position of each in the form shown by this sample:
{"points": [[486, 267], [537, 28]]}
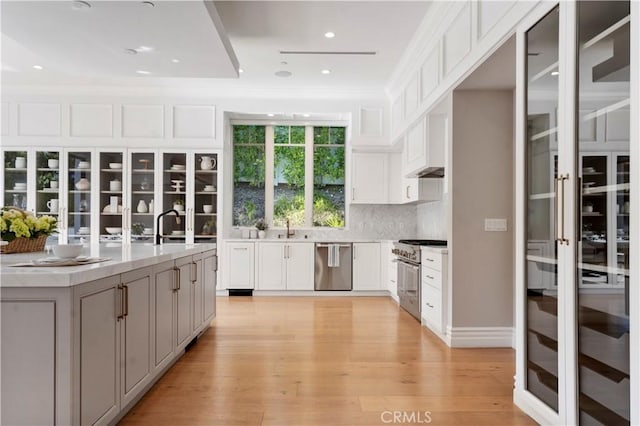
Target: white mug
{"points": [[52, 204], [207, 208], [53, 163], [53, 184]]}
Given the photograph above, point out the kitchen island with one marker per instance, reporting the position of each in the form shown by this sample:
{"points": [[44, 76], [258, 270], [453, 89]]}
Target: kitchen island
{"points": [[82, 344]]}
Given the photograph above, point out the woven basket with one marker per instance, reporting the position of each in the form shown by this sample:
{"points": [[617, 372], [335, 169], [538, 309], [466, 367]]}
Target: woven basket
{"points": [[24, 245]]}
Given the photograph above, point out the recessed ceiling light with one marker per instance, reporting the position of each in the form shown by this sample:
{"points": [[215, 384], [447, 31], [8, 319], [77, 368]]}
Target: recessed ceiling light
{"points": [[175, 61], [270, 115], [306, 115], [131, 51], [143, 49], [240, 70], [329, 34], [143, 72], [37, 67], [148, 4], [555, 72], [283, 74], [79, 5], [325, 71]]}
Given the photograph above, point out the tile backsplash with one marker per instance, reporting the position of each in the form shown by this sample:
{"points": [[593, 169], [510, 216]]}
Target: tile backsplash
{"points": [[432, 219]]}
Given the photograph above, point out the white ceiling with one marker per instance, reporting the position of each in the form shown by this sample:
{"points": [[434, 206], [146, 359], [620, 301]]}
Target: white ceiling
{"points": [[86, 46]]}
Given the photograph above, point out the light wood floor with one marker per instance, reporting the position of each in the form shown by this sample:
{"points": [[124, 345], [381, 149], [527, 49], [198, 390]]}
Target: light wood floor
{"points": [[328, 361]]}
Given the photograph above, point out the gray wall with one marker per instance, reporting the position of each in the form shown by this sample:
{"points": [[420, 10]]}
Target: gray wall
{"points": [[481, 187]]}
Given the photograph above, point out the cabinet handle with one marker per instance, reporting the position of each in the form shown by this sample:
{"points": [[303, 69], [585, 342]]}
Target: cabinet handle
{"points": [[353, 194], [429, 260], [239, 248], [194, 272], [126, 301], [179, 279], [555, 209], [407, 192], [429, 305], [120, 313], [579, 206], [564, 179], [176, 279], [429, 276]]}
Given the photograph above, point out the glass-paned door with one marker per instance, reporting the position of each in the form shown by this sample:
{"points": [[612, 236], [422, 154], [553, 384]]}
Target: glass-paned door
{"points": [[15, 179], [542, 170], [142, 196], [78, 205], [602, 283], [48, 187], [174, 196], [112, 196], [204, 216]]}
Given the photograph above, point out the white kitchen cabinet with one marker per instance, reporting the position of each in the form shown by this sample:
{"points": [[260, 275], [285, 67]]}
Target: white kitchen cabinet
{"points": [[285, 266], [389, 270], [434, 288], [238, 265], [427, 141], [370, 178], [366, 266], [403, 190]]}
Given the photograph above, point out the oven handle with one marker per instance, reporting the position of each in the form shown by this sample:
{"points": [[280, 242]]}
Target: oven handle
{"points": [[410, 265]]}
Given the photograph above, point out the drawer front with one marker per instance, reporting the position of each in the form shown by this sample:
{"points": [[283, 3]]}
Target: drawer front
{"points": [[432, 305], [432, 260], [432, 277]]}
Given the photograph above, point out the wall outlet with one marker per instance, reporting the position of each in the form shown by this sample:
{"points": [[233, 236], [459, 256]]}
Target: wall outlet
{"points": [[495, 225]]}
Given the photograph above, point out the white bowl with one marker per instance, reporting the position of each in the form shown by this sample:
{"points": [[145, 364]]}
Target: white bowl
{"points": [[113, 230], [67, 251], [115, 165], [177, 232], [84, 165], [148, 231]]}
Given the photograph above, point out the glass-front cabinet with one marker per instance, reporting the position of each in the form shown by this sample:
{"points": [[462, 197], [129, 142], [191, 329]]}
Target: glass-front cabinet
{"points": [[115, 195], [576, 242]]}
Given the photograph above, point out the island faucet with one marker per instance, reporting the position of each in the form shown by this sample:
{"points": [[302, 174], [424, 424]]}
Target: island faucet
{"points": [[158, 236], [289, 233]]}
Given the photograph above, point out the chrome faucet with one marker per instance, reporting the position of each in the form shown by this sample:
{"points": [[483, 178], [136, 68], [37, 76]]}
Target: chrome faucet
{"points": [[289, 233], [158, 236]]}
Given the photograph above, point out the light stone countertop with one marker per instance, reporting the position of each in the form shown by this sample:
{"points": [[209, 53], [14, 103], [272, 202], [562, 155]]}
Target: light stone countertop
{"points": [[435, 249], [124, 258], [302, 240]]}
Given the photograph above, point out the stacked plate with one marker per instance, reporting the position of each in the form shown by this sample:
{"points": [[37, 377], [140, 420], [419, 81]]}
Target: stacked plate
{"points": [[20, 186], [177, 167]]}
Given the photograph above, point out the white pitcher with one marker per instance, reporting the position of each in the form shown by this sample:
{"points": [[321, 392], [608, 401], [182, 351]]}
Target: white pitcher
{"points": [[207, 163]]}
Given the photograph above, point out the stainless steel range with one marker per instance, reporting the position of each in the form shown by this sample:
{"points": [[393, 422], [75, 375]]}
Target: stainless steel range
{"points": [[408, 253]]}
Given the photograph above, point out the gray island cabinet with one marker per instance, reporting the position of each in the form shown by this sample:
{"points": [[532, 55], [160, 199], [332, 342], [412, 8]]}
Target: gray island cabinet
{"points": [[81, 345]]}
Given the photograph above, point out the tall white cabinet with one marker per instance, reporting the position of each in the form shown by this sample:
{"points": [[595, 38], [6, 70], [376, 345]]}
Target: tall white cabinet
{"points": [[578, 298]]}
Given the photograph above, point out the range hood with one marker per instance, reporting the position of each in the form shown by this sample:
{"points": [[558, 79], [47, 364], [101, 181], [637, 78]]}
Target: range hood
{"points": [[431, 173]]}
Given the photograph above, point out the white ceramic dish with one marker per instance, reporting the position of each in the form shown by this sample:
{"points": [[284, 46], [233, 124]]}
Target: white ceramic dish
{"points": [[84, 165], [148, 231], [177, 232], [84, 230], [178, 167], [113, 230], [67, 251], [115, 165]]}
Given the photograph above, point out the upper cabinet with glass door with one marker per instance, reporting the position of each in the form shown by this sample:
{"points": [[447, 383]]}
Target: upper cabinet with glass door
{"points": [[142, 196], [78, 204], [174, 196], [15, 179], [48, 186], [203, 214], [112, 201]]}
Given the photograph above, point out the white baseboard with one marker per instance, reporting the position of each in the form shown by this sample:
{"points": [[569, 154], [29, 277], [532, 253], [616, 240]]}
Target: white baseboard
{"points": [[534, 408], [480, 337]]}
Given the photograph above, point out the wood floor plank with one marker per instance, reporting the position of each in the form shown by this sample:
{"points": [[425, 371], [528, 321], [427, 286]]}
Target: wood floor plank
{"points": [[328, 361]]}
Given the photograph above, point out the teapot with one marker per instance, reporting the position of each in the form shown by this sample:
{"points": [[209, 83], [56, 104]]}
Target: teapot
{"points": [[207, 163]]}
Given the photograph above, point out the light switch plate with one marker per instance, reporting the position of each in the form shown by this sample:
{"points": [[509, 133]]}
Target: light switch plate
{"points": [[495, 225]]}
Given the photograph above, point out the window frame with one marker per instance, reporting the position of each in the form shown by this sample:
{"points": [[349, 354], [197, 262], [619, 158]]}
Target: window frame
{"points": [[309, 166]]}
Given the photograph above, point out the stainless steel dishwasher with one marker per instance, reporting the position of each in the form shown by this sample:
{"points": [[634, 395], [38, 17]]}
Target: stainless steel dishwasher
{"points": [[333, 266]]}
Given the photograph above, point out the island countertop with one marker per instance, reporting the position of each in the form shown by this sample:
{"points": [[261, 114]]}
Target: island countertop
{"points": [[123, 258]]}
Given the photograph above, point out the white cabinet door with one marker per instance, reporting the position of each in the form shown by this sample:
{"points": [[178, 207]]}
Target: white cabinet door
{"points": [[183, 302], [136, 332], [100, 311], [366, 266], [238, 264], [209, 270], [271, 266], [416, 145], [370, 178], [163, 280], [300, 266]]}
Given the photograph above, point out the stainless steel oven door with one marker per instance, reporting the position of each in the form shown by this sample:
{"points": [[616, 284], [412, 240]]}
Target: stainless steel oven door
{"points": [[409, 287]]}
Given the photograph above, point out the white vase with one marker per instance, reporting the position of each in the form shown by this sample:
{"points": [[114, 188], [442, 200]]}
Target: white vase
{"points": [[262, 234], [142, 207]]}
